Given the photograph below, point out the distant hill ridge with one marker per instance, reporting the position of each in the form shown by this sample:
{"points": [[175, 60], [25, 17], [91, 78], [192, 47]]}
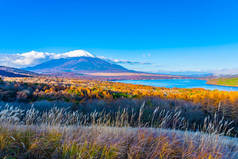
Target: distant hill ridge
{"points": [[14, 72]]}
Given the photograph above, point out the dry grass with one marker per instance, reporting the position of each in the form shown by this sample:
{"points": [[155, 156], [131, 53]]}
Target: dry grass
{"points": [[58, 133], [143, 115], [110, 142]]}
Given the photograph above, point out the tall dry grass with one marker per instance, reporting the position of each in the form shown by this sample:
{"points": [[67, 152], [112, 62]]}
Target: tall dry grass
{"points": [[58, 132], [141, 115], [66, 142]]}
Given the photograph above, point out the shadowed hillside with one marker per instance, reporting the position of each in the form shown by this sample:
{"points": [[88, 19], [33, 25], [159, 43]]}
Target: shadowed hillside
{"points": [[13, 72]]}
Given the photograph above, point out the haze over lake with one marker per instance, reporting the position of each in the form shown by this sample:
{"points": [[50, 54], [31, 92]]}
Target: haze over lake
{"points": [[180, 83]]}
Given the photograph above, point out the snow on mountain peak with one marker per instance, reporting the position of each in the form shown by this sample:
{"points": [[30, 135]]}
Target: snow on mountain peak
{"points": [[77, 53]]}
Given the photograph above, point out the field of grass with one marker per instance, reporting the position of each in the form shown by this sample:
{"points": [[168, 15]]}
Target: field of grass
{"points": [[44, 118], [60, 133], [224, 81], [64, 142]]}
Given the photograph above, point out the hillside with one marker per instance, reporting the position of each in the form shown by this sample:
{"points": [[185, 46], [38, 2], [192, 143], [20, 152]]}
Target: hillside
{"points": [[65, 118], [69, 117], [13, 72]]}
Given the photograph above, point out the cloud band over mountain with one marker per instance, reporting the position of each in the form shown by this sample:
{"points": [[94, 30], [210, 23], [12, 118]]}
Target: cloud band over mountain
{"points": [[32, 58]]}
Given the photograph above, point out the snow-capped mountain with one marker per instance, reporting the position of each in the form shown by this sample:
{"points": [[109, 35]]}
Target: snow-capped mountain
{"points": [[77, 65]]}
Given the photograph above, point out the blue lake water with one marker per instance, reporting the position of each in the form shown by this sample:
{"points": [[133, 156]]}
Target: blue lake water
{"points": [[179, 83]]}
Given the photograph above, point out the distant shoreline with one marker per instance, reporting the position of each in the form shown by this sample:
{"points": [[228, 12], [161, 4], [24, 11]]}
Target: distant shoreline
{"points": [[227, 82]]}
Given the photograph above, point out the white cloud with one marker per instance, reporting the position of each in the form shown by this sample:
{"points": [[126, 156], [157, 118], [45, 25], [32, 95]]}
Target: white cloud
{"points": [[32, 58], [29, 58], [232, 71], [117, 61]]}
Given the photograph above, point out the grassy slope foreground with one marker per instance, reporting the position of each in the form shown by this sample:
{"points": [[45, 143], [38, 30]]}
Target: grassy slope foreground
{"points": [[62, 134], [111, 143], [224, 81]]}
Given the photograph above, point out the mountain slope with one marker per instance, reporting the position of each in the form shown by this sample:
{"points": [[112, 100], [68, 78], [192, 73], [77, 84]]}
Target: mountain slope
{"points": [[13, 72], [78, 65]]}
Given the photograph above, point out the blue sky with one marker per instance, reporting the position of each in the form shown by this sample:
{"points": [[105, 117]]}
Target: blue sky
{"points": [[171, 35]]}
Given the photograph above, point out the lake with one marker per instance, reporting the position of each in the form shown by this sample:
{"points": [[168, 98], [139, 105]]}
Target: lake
{"points": [[179, 83]]}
